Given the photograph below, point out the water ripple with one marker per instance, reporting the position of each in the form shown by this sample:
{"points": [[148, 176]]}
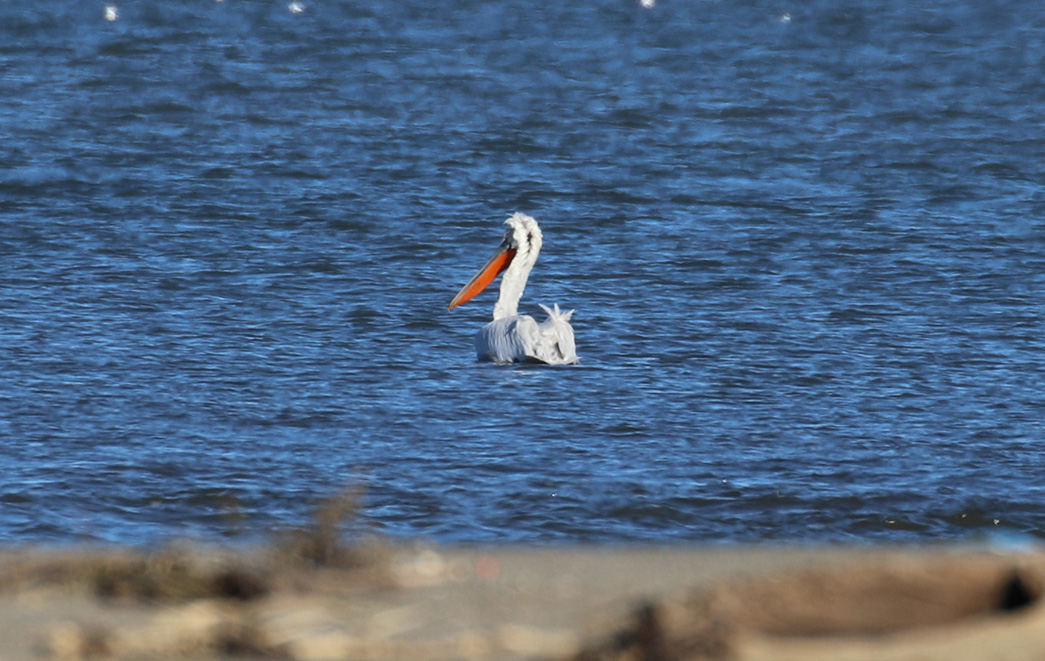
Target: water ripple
{"points": [[805, 255]]}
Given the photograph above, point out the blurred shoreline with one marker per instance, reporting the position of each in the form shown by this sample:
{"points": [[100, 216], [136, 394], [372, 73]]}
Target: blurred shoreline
{"points": [[381, 601]]}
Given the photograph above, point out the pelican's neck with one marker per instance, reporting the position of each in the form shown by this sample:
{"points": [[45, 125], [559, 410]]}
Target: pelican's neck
{"points": [[527, 241], [513, 282]]}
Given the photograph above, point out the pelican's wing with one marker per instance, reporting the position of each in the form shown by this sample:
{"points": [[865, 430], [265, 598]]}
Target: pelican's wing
{"points": [[508, 340]]}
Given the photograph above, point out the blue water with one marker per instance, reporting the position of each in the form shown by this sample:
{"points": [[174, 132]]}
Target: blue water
{"points": [[805, 243]]}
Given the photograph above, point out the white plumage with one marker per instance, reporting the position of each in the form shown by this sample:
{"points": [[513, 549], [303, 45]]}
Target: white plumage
{"points": [[511, 337]]}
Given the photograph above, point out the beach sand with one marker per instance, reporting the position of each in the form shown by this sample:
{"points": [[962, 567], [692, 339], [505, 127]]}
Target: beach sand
{"points": [[383, 602]]}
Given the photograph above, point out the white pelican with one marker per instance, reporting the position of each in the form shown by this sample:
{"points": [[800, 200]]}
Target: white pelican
{"points": [[512, 337]]}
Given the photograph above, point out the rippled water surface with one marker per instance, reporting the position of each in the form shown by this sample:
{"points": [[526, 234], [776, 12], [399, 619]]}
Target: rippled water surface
{"points": [[805, 243]]}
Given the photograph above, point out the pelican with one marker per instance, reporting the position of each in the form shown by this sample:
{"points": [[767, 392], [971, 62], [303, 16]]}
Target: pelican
{"points": [[513, 337]]}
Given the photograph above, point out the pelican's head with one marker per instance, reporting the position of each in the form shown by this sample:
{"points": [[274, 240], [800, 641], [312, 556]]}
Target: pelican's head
{"points": [[520, 247]]}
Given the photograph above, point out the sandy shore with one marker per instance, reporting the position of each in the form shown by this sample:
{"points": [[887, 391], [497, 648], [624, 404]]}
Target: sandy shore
{"points": [[385, 602]]}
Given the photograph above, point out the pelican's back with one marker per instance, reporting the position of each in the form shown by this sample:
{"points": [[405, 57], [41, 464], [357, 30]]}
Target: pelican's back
{"points": [[557, 346], [520, 339]]}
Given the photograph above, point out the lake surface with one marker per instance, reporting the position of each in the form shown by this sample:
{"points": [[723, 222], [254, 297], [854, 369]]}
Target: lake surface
{"points": [[805, 242]]}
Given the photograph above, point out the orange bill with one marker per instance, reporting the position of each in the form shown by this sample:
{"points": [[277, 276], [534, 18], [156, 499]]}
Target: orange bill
{"points": [[497, 264]]}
